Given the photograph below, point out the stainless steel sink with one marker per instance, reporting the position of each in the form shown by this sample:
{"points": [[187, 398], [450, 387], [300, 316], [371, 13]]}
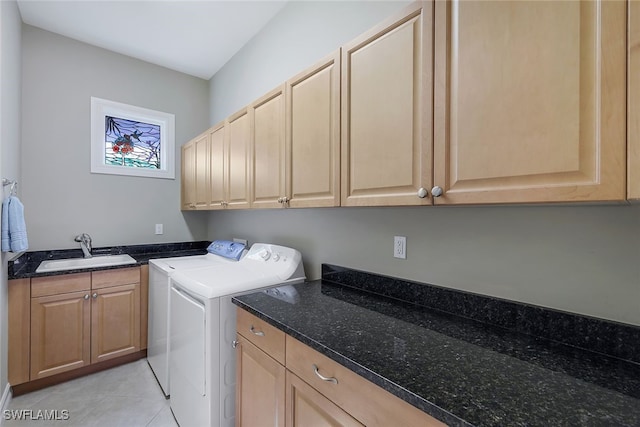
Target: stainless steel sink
{"points": [[78, 263]]}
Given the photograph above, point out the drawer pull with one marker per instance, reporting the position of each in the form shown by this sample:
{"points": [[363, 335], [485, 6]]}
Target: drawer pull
{"points": [[254, 332], [322, 377]]}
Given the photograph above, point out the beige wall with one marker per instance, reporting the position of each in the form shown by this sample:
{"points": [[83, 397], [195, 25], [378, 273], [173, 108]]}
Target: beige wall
{"points": [[579, 258], [62, 197], [10, 68], [583, 259]]}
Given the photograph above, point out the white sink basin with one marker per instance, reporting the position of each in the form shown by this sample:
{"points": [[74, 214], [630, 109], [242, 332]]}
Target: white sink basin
{"points": [[77, 263]]}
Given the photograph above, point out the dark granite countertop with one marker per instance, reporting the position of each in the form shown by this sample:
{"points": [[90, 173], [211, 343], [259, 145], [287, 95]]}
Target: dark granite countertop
{"points": [[25, 266], [458, 369]]}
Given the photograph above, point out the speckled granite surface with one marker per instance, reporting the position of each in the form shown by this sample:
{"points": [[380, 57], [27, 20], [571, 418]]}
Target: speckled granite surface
{"points": [[25, 266], [461, 370]]}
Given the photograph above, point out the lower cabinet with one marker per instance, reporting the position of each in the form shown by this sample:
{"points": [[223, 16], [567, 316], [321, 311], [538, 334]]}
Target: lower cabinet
{"points": [[60, 333], [307, 388], [115, 322], [260, 388], [307, 407], [72, 321]]}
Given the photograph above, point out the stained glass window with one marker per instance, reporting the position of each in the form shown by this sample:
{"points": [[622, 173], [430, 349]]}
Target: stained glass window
{"points": [[131, 143]]}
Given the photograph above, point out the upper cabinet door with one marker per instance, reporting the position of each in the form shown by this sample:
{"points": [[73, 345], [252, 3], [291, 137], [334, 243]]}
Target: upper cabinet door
{"points": [[195, 173], [387, 112], [267, 118], [238, 169], [313, 135], [217, 156], [633, 98], [529, 101], [188, 176], [202, 171]]}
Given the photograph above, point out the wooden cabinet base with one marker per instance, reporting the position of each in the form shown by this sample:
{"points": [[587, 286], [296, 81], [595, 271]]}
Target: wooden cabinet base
{"points": [[38, 384]]}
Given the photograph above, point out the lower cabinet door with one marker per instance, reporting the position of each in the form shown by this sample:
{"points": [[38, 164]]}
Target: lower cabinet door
{"points": [[115, 318], [260, 388], [60, 333], [307, 407]]}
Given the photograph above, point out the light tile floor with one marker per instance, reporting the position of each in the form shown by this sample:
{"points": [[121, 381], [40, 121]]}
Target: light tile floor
{"points": [[127, 396]]}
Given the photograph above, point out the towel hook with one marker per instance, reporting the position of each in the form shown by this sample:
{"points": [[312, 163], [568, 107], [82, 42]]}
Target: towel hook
{"points": [[13, 184]]}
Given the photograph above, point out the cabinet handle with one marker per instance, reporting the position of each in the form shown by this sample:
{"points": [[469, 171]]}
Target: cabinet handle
{"points": [[422, 192], [322, 377], [254, 332], [235, 343], [86, 296], [280, 200], [95, 295], [437, 191]]}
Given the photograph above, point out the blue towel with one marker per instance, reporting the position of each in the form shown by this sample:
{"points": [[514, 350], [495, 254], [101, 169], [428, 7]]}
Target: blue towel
{"points": [[6, 241], [14, 229]]}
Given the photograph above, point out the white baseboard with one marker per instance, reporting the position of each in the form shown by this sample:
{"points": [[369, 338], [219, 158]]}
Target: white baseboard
{"points": [[6, 399]]}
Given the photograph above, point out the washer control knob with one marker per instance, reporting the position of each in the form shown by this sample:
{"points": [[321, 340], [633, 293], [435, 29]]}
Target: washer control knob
{"points": [[265, 255], [276, 256]]}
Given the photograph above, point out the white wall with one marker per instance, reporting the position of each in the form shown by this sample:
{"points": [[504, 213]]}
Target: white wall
{"points": [[61, 196], [583, 259], [10, 68]]}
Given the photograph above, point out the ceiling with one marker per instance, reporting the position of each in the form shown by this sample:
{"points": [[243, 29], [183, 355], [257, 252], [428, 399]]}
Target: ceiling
{"points": [[193, 37]]}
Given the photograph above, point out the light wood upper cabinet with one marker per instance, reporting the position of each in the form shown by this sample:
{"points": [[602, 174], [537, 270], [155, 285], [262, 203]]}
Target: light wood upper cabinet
{"points": [[529, 101], [188, 176], [195, 173], [217, 163], [386, 111], [238, 170], [268, 150], [633, 99], [313, 135]]}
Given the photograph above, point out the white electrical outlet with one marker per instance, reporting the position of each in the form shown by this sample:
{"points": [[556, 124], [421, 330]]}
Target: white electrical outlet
{"points": [[400, 247], [159, 229]]}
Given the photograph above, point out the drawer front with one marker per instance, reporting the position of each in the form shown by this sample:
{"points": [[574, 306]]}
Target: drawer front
{"points": [[261, 334], [365, 401], [117, 277], [61, 284]]}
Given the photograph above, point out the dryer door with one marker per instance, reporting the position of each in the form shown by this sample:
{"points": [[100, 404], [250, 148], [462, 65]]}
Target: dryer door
{"points": [[187, 354]]}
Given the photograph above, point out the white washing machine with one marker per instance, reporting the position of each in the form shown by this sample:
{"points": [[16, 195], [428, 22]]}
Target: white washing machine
{"points": [[159, 293], [202, 362]]}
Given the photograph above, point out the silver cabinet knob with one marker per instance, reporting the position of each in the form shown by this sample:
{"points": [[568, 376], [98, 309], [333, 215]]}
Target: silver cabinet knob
{"points": [[86, 296], [437, 191], [422, 192], [95, 295], [235, 343], [280, 200]]}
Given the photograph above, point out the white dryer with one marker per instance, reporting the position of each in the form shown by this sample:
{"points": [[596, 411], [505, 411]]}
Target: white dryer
{"points": [[159, 293], [203, 326]]}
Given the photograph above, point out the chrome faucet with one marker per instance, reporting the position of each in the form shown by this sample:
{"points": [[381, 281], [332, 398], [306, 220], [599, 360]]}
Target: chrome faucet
{"points": [[85, 244]]}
